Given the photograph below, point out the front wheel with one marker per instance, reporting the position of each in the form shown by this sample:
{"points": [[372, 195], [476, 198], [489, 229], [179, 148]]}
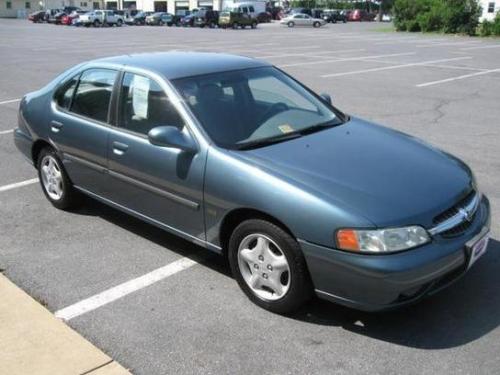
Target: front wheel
{"points": [[254, 25], [96, 23], [55, 182], [235, 25], [119, 23], [316, 24], [269, 266], [291, 24]]}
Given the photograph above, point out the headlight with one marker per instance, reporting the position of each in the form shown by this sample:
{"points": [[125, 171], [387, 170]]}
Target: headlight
{"points": [[382, 240]]}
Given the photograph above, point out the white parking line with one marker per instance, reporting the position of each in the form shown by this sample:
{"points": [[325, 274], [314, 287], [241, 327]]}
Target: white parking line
{"points": [[6, 131], [480, 47], [393, 67], [128, 287], [346, 59], [18, 184], [458, 78], [10, 101]]}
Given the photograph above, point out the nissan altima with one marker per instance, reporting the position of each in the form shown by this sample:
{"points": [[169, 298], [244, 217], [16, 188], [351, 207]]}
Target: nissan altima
{"points": [[237, 156]]}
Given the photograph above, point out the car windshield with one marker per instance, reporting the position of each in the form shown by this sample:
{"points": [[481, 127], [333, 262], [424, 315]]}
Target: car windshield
{"points": [[254, 107]]}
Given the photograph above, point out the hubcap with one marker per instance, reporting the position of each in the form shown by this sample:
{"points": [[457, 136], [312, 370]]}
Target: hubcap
{"points": [[264, 267], [51, 178]]}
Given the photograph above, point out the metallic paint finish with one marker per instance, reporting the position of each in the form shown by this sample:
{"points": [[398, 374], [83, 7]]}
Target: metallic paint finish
{"points": [[356, 175]]}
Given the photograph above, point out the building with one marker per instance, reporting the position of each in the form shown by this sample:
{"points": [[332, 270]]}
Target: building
{"points": [[490, 9]]}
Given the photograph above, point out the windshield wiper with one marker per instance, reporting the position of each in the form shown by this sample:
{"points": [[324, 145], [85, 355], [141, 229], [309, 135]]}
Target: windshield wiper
{"points": [[318, 127], [268, 141]]}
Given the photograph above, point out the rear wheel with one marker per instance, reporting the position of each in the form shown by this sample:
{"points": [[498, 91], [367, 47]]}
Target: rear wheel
{"points": [[269, 266], [96, 23], [119, 23], [291, 24], [55, 181], [235, 25], [316, 24], [254, 25]]}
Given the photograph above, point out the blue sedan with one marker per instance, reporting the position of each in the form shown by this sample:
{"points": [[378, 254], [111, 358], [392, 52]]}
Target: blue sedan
{"points": [[238, 157]]}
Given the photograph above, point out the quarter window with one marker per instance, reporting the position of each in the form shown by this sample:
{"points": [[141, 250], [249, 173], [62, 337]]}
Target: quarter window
{"points": [[93, 94], [65, 93], [144, 105]]}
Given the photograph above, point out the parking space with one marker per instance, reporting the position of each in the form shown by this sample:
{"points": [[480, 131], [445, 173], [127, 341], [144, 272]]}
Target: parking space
{"points": [[160, 305]]}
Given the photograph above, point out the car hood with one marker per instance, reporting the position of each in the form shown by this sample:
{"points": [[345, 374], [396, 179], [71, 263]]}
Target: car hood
{"points": [[386, 176]]}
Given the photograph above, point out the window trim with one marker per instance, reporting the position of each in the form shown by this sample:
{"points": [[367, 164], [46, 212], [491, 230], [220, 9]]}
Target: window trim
{"points": [[69, 111], [60, 86]]}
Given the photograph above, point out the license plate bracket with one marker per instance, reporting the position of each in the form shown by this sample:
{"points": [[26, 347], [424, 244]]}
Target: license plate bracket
{"points": [[477, 246]]}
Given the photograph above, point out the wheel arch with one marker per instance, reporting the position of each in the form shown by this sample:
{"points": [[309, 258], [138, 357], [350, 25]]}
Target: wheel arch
{"points": [[38, 146], [235, 217]]}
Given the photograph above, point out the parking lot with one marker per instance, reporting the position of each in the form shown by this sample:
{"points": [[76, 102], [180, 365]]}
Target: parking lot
{"points": [[114, 280]]}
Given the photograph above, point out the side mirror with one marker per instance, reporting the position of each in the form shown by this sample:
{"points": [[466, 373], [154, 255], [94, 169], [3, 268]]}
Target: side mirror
{"points": [[171, 136], [326, 98]]}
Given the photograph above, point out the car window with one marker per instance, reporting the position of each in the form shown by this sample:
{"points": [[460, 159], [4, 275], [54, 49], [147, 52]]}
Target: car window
{"points": [[144, 105], [64, 94], [251, 9], [93, 94], [244, 106]]}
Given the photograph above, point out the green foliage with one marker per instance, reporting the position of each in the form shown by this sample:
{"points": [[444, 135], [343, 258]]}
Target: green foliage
{"points": [[449, 16], [488, 28]]}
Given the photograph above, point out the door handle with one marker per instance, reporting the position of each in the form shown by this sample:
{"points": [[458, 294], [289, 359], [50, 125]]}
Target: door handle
{"points": [[119, 148], [55, 126]]}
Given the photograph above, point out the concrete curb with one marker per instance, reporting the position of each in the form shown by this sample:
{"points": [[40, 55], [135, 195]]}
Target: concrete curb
{"points": [[33, 341]]}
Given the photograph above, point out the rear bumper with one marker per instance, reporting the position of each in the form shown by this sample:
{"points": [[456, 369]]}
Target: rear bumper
{"points": [[24, 143], [381, 282]]}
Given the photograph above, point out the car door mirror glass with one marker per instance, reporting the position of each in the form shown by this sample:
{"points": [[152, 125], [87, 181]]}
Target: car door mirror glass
{"points": [[171, 136], [326, 98]]}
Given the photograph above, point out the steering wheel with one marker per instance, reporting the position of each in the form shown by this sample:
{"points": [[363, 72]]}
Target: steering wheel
{"points": [[272, 110]]}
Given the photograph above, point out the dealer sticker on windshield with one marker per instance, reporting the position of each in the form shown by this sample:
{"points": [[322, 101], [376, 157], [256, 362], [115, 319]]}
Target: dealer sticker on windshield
{"points": [[285, 128], [478, 248]]}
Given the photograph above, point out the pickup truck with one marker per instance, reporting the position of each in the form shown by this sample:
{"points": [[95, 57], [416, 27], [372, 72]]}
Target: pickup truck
{"points": [[101, 18]]}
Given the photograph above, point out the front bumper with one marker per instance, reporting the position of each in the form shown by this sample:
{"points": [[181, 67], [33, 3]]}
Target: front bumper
{"points": [[380, 282]]}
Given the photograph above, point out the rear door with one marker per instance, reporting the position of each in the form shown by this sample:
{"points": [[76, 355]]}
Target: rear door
{"points": [[79, 126], [164, 184]]}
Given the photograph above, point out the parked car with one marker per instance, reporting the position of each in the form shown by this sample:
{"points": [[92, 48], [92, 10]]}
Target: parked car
{"points": [[302, 19], [140, 18], [57, 19], [50, 14], [155, 19], [240, 16], [264, 17], [334, 16], [72, 18], [233, 154], [209, 18], [128, 16], [170, 19], [360, 15], [37, 16], [188, 19], [101, 18], [300, 11]]}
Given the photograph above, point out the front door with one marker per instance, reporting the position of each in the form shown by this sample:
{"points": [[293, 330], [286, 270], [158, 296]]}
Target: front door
{"points": [[79, 127], [161, 183]]}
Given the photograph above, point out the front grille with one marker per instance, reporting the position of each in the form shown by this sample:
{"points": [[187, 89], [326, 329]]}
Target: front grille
{"points": [[452, 211], [460, 228]]}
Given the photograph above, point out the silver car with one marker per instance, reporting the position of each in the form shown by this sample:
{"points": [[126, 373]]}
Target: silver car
{"points": [[301, 19]]}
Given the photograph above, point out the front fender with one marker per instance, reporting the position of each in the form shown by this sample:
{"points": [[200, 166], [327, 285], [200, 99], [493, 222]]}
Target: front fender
{"points": [[232, 183]]}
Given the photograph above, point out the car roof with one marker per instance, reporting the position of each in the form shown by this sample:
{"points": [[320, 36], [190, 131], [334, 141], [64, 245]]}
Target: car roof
{"points": [[174, 65]]}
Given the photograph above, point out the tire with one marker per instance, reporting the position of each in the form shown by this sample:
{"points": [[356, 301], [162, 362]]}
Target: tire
{"points": [[254, 25], [235, 25], [51, 172], [316, 24], [161, 23], [291, 24], [282, 285], [119, 23], [96, 23]]}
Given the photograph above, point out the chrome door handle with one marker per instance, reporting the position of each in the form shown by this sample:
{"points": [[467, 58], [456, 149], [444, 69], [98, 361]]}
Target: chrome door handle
{"points": [[55, 126], [119, 148]]}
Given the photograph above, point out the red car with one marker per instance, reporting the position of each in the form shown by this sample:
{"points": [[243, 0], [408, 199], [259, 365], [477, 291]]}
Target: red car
{"points": [[360, 15], [67, 19]]}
